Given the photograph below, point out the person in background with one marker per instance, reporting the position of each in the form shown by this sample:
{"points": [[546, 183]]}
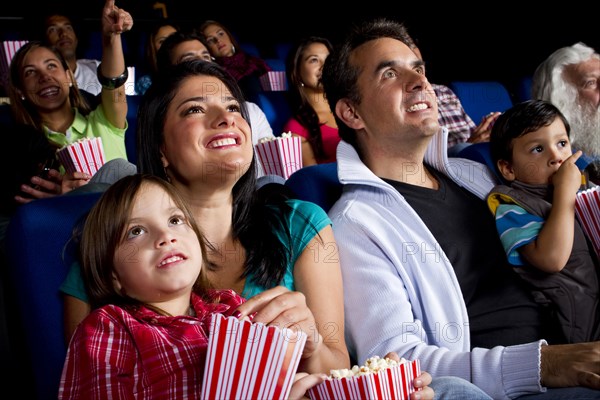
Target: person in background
{"points": [[45, 97], [245, 68], [60, 33], [570, 79], [421, 259], [181, 47], [312, 119], [462, 131], [155, 307], [158, 34], [535, 215]]}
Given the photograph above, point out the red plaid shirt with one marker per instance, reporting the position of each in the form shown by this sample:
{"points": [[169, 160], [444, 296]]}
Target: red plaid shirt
{"points": [[118, 353], [453, 116]]}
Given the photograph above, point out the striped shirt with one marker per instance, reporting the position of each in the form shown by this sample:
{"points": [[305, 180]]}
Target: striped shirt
{"points": [[126, 353], [452, 115], [516, 228]]}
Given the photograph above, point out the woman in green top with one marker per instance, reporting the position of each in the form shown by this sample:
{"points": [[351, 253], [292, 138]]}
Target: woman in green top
{"points": [[44, 95]]}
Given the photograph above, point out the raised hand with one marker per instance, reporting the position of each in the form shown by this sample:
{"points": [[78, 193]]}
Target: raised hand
{"points": [[115, 20]]}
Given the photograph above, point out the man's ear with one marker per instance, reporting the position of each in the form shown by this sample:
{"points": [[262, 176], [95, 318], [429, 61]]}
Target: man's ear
{"points": [[346, 111], [506, 170]]}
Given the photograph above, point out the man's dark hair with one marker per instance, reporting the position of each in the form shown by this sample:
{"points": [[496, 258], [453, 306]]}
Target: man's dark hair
{"points": [[340, 77]]}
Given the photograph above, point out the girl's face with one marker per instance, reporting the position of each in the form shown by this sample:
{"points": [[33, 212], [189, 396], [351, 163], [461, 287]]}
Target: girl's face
{"points": [[205, 136], [218, 40], [537, 155], [160, 256], [162, 33], [45, 82], [311, 64]]}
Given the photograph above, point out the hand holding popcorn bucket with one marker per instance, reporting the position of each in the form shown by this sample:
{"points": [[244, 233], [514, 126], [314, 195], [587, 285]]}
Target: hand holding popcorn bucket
{"points": [[250, 360], [379, 378]]}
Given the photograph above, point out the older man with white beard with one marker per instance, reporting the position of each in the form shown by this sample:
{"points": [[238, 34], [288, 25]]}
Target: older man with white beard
{"points": [[570, 79]]}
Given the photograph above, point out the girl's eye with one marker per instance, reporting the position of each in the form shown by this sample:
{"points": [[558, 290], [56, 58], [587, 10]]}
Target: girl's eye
{"points": [[562, 143], [176, 220], [537, 149], [135, 232]]}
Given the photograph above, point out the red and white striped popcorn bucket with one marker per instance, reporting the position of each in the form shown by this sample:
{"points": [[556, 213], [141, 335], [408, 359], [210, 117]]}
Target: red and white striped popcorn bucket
{"points": [[86, 155], [281, 156], [8, 48], [394, 383], [248, 360], [587, 209], [273, 81]]}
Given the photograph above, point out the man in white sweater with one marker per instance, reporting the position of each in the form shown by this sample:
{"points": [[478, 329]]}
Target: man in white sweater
{"points": [[424, 272]]}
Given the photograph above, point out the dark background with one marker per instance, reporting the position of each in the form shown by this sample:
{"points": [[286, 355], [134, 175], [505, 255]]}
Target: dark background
{"points": [[492, 41]]}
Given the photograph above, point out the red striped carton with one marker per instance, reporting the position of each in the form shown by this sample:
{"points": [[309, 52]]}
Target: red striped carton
{"points": [[250, 360], [280, 156], [8, 48], [273, 81], [85, 155], [394, 383], [587, 209]]}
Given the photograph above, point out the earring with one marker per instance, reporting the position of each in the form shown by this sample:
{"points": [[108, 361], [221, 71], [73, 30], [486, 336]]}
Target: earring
{"points": [[302, 84], [233, 49], [70, 84], [23, 98]]}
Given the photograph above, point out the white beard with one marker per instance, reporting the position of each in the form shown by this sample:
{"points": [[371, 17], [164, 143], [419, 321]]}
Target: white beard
{"points": [[585, 127]]}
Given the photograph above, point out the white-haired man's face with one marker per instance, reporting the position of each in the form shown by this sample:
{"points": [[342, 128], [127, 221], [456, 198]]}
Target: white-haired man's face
{"points": [[585, 77], [584, 114]]}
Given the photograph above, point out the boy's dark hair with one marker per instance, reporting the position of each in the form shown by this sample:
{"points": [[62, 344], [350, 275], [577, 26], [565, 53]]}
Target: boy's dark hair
{"points": [[519, 120]]}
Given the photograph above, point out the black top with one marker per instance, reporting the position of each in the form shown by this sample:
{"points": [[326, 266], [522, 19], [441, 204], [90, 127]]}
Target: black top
{"points": [[23, 153], [501, 310]]}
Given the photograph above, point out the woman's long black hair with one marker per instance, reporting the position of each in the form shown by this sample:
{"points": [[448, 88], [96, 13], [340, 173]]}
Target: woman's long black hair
{"points": [[257, 215]]}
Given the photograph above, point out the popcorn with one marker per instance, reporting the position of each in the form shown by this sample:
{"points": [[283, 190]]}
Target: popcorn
{"points": [[587, 209], [377, 378], [372, 366], [247, 360], [280, 155], [273, 81], [85, 155]]}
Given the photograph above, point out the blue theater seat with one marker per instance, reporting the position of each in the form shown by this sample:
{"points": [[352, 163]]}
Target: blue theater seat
{"points": [[39, 253], [317, 183], [479, 98]]}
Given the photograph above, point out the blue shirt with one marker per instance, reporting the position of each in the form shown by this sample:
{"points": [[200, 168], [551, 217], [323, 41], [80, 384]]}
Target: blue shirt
{"points": [[303, 222]]}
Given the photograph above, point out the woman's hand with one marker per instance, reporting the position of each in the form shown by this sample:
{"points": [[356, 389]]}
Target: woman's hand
{"points": [[285, 309], [74, 180], [115, 20], [40, 187], [482, 132]]}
